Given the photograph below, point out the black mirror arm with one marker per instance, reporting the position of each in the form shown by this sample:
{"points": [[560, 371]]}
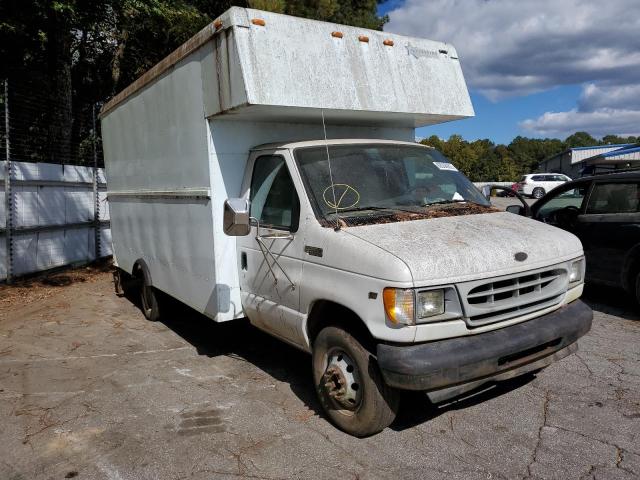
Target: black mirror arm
{"points": [[527, 208]]}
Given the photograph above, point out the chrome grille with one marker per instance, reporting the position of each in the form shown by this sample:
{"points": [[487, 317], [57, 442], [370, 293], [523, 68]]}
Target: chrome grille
{"points": [[512, 295]]}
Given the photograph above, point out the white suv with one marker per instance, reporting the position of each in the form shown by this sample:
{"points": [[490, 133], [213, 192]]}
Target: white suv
{"points": [[537, 184]]}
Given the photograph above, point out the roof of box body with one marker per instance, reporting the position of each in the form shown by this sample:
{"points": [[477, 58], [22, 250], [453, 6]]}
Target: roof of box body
{"points": [[343, 141], [266, 66]]}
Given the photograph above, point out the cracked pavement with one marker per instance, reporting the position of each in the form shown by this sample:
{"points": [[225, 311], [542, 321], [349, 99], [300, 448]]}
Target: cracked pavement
{"points": [[90, 390]]}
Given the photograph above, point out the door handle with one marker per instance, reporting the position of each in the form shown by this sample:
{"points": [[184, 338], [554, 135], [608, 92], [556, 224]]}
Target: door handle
{"points": [[243, 261]]}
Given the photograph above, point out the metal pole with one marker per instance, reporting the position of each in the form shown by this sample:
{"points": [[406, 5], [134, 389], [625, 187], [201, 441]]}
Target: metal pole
{"points": [[8, 204], [96, 199]]}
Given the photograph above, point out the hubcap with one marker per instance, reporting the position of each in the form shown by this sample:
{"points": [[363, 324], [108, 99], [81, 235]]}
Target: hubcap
{"points": [[341, 380]]}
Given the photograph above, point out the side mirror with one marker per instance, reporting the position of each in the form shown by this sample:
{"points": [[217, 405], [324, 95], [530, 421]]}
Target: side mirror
{"points": [[517, 209], [486, 191], [236, 218]]}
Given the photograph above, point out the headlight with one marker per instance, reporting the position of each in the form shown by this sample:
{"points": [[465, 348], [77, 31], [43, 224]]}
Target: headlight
{"points": [[430, 303], [398, 304], [406, 306], [576, 271]]}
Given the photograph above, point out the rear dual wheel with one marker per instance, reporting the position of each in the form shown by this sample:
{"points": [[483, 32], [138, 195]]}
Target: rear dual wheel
{"points": [[349, 384], [149, 301]]}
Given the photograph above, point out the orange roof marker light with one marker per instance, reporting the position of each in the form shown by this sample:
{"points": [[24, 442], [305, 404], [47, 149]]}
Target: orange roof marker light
{"points": [[217, 24], [336, 34], [388, 42], [258, 21], [363, 38]]}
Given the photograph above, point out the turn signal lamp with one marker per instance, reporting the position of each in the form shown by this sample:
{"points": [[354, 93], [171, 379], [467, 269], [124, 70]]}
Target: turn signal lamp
{"points": [[258, 21], [399, 304], [363, 38], [336, 34], [388, 42]]}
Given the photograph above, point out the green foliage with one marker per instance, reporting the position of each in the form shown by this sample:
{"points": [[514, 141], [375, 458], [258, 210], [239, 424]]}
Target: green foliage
{"points": [[66, 55], [277, 6], [483, 161], [112, 42], [580, 139], [360, 13]]}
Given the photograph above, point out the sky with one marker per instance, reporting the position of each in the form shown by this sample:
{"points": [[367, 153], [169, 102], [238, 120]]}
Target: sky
{"points": [[537, 68]]}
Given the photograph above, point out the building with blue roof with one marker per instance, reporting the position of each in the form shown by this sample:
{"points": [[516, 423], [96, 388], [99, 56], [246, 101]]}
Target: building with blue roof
{"points": [[580, 161]]}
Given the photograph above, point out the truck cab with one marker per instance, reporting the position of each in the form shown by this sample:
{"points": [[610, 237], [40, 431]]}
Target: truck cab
{"points": [[387, 265]]}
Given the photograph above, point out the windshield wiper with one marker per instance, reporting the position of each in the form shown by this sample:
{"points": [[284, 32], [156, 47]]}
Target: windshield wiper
{"points": [[369, 207], [357, 209], [445, 202]]}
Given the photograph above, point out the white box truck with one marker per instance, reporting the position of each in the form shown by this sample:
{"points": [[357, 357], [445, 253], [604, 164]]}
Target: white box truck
{"points": [[267, 169]]}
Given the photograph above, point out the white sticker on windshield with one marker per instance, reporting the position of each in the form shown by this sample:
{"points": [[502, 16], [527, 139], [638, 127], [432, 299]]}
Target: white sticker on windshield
{"points": [[445, 166]]}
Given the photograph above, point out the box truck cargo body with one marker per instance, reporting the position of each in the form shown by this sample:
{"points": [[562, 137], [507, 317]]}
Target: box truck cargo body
{"points": [[266, 169]]}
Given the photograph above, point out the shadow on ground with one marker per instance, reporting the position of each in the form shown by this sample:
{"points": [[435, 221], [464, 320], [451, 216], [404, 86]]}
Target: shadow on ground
{"points": [[240, 340], [612, 301]]}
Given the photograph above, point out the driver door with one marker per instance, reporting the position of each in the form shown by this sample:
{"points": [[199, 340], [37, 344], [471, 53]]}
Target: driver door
{"points": [[609, 228], [563, 208], [270, 256]]}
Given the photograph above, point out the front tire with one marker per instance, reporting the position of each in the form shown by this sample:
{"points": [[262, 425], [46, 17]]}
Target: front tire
{"points": [[538, 193], [349, 384]]}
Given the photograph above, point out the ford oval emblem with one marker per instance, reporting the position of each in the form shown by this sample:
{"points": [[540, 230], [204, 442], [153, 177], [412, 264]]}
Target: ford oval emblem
{"points": [[520, 256]]}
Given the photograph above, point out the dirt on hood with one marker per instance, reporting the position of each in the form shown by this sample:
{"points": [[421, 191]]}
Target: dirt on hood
{"points": [[393, 216]]}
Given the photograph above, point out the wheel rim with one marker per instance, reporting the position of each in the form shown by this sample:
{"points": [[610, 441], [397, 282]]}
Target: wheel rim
{"points": [[341, 380]]}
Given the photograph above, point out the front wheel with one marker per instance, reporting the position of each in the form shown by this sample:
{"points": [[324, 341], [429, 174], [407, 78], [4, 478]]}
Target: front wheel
{"points": [[537, 193], [350, 386]]}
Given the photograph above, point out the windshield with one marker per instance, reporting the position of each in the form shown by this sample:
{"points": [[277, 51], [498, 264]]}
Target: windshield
{"points": [[382, 176]]}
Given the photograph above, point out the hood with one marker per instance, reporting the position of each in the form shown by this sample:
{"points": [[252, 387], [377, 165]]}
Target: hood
{"points": [[461, 248]]}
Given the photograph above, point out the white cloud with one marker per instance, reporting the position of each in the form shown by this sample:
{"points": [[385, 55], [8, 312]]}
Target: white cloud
{"points": [[604, 121], [597, 96], [517, 47], [601, 110]]}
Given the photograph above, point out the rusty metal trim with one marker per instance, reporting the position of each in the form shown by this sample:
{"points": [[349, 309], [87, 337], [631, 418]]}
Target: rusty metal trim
{"points": [[182, 194], [191, 45]]}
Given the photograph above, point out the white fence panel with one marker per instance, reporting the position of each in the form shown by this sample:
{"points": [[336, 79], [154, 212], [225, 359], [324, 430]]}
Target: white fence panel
{"points": [[53, 221]]}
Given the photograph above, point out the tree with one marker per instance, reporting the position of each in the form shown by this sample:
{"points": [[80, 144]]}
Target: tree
{"points": [[71, 54], [580, 139]]}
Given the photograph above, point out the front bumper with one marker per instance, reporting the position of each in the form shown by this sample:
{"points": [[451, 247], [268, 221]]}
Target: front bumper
{"points": [[455, 361]]}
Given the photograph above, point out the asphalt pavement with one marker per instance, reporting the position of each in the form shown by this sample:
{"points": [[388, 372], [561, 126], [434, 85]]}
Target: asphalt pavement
{"points": [[90, 389]]}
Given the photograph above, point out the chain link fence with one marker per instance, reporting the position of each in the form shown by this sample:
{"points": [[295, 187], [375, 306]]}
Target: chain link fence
{"points": [[53, 208]]}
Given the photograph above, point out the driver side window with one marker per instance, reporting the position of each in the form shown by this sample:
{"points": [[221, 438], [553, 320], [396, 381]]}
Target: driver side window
{"points": [[614, 198], [274, 200], [568, 197]]}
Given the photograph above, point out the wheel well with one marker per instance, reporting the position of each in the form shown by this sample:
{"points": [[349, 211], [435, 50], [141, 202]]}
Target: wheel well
{"points": [[325, 313], [631, 269], [140, 271]]}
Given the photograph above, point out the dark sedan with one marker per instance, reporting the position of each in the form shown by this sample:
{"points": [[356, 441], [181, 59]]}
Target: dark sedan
{"points": [[603, 211]]}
